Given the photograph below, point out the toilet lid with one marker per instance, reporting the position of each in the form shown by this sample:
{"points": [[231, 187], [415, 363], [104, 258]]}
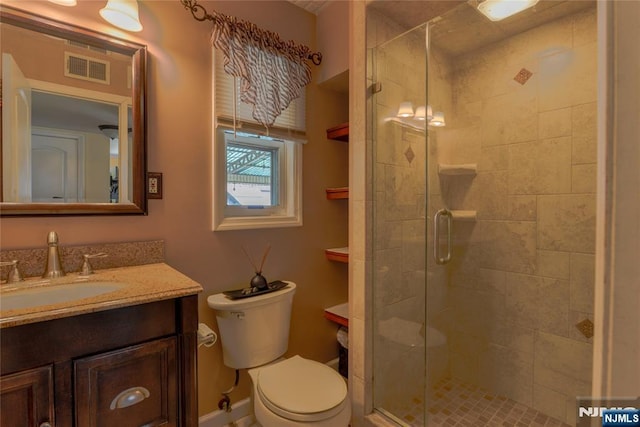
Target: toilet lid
{"points": [[301, 389]]}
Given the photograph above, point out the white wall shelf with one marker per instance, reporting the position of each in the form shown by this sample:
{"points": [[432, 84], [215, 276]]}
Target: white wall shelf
{"points": [[338, 313], [458, 169]]}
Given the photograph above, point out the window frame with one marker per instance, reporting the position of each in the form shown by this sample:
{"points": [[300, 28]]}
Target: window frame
{"points": [[288, 211]]}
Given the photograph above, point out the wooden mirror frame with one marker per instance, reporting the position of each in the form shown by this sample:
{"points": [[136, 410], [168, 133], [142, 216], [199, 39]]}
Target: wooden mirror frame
{"points": [[138, 52]]}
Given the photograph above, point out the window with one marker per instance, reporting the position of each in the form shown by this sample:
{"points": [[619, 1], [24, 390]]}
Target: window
{"points": [[257, 174], [252, 174], [258, 181]]}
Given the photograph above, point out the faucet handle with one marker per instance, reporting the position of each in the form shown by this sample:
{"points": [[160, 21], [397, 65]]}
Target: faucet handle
{"points": [[86, 265], [14, 275]]}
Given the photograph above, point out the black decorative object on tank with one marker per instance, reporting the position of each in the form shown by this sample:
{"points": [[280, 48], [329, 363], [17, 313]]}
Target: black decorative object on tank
{"points": [[258, 281], [258, 284]]}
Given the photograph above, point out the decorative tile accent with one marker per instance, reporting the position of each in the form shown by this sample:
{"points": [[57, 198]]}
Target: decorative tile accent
{"points": [[409, 154], [585, 327], [522, 76]]}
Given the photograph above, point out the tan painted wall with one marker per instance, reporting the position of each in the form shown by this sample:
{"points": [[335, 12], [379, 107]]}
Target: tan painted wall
{"points": [[179, 107], [30, 49], [333, 39]]}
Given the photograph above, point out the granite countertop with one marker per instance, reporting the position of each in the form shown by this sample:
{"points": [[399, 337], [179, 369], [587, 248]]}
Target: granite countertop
{"points": [[140, 284]]}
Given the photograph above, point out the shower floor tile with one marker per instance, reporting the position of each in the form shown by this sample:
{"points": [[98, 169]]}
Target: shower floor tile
{"points": [[458, 404]]}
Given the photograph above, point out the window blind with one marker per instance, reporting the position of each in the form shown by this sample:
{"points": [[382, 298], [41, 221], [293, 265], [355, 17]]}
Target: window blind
{"points": [[290, 124]]}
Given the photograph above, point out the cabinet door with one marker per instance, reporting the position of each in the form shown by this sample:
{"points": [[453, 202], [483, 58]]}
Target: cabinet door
{"points": [[26, 398], [132, 387]]}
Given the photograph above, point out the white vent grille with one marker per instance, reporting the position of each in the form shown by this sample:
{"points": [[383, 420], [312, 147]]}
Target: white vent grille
{"points": [[86, 68]]}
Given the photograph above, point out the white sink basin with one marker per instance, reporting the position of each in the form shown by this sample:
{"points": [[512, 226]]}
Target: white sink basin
{"points": [[55, 294]]}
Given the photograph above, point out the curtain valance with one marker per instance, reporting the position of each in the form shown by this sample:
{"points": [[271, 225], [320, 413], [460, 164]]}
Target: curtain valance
{"points": [[271, 72]]}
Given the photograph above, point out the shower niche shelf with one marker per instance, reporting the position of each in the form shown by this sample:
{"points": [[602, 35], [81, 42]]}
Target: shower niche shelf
{"points": [[460, 215], [337, 254], [468, 169]]}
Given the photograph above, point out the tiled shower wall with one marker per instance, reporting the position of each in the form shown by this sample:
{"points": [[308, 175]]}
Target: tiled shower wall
{"points": [[522, 277]]}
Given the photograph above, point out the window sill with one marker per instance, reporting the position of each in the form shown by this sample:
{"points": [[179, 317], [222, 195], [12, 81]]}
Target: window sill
{"points": [[249, 223]]}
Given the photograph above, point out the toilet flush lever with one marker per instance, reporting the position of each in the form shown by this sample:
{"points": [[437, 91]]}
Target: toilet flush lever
{"points": [[231, 314]]}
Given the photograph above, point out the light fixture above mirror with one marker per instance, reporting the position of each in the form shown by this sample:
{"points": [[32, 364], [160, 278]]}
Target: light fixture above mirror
{"points": [[123, 14], [417, 119], [437, 120], [65, 2], [405, 110], [120, 13]]}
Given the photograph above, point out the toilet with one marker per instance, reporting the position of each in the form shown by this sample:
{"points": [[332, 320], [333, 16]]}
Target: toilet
{"points": [[254, 334]]}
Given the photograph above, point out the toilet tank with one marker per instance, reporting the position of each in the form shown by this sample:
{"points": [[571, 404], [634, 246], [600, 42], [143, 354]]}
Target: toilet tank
{"points": [[253, 330]]}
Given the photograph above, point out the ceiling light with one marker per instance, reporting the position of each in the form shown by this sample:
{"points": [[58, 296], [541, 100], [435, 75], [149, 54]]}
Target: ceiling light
{"points": [[123, 14], [64, 2], [111, 131], [497, 10]]}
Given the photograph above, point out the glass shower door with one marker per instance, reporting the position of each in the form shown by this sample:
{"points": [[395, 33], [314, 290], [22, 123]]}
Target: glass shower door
{"points": [[398, 112], [501, 334]]}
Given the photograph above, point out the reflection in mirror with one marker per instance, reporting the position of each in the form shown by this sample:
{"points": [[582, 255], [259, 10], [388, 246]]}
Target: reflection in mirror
{"points": [[73, 128]]}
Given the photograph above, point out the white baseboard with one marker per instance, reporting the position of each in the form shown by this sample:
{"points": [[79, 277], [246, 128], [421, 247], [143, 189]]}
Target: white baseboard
{"points": [[241, 413]]}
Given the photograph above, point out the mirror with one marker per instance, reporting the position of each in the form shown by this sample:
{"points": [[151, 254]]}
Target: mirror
{"points": [[73, 119]]}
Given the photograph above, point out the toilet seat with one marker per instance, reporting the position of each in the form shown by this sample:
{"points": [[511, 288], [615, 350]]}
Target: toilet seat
{"points": [[302, 390]]}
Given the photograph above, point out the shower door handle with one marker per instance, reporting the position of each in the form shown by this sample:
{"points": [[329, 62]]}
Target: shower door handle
{"points": [[436, 238]]}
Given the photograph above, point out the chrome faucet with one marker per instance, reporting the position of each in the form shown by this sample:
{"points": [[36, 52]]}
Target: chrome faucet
{"points": [[53, 267]]}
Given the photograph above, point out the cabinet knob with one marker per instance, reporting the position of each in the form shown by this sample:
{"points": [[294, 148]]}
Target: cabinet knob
{"points": [[129, 397], [45, 424]]}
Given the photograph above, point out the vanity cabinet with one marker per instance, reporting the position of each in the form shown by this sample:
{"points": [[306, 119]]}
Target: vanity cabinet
{"points": [[133, 386], [26, 398], [123, 367]]}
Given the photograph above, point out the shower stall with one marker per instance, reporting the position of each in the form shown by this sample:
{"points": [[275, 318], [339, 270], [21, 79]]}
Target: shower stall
{"points": [[483, 163]]}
